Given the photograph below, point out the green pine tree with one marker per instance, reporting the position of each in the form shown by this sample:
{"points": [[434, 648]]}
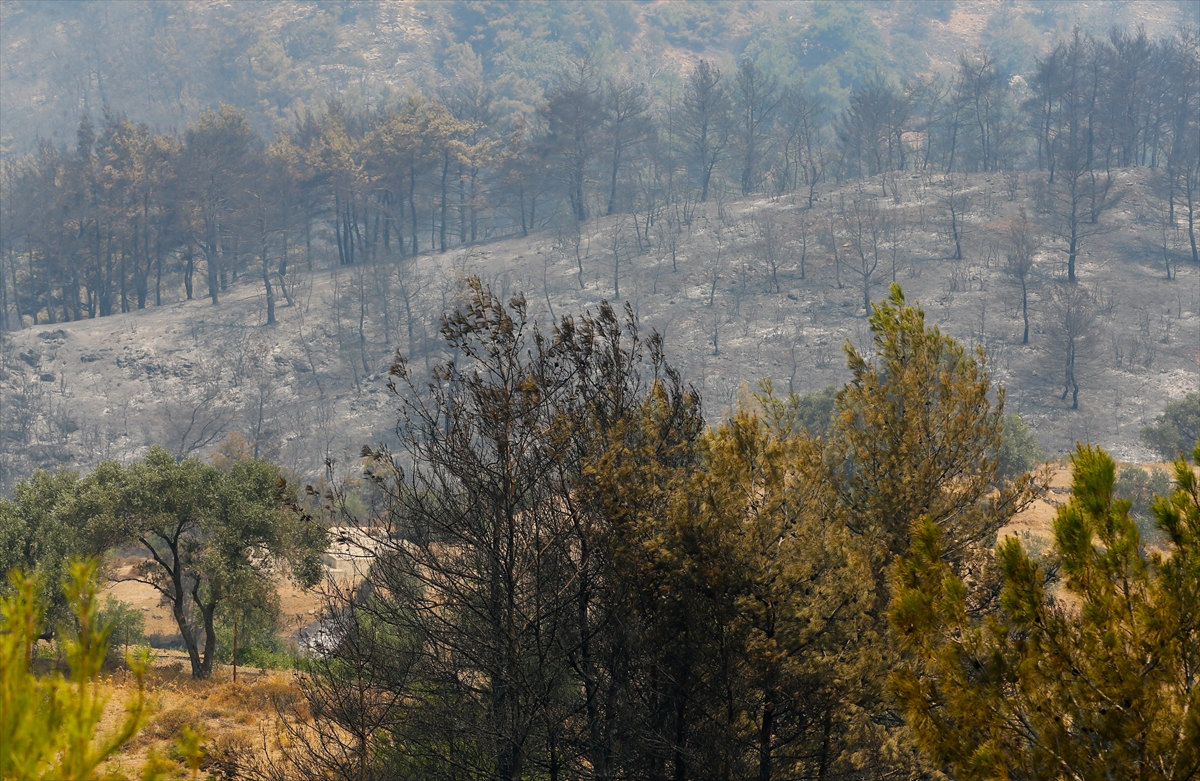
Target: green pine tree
{"points": [[1096, 680]]}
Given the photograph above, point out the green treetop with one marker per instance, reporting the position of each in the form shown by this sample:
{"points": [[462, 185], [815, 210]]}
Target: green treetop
{"points": [[914, 434], [1095, 681]]}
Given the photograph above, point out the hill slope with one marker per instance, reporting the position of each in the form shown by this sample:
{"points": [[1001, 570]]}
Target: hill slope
{"points": [[734, 304]]}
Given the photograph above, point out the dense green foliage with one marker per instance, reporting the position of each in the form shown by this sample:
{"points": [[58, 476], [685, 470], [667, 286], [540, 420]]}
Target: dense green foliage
{"points": [[249, 627], [1140, 487], [126, 626], [1093, 681], [1019, 449], [214, 538], [811, 412], [40, 528]]}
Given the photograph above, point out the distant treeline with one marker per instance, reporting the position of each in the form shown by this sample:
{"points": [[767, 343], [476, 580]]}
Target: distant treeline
{"points": [[129, 218]]}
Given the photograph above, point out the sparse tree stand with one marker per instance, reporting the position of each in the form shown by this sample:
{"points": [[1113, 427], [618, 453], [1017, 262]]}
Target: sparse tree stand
{"points": [[1080, 195], [219, 154], [1100, 685], [207, 531]]}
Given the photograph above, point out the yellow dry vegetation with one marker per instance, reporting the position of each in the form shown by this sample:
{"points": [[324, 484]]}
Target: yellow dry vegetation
{"points": [[234, 718]]}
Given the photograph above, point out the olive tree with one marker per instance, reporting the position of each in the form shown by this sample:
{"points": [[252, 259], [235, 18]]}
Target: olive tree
{"points": [[205, 531]]}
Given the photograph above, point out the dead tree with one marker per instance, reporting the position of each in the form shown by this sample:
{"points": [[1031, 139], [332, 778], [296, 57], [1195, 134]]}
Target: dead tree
{"points": [[1072, 316], [770, 246], [1023, 244], [863, 227], [719, 238], [616, 245], [956, 204], [200, 417]]}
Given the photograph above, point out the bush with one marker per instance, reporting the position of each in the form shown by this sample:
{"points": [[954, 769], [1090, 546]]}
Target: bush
{"points": [[126, 625], [1019, 449], [1177, 430], [170, 723], [812, 412], [1140, 487], [258, 640]]}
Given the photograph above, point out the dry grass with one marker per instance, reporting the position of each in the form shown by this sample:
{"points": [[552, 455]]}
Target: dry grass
{"points": [[232, 716], [298, 607], [1034, 526]]}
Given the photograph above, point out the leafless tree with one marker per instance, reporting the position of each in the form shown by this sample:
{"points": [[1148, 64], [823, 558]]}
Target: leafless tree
{"points": [[569, 238], [617, 247], [261, 395], [832, 239], [1023, 245], [667, 240], [862, 225], [896, 231], [720, 239], [1079, 196], [1071, 320], [770, 245], [804, 229], [201, 415], [956, 204], [800, 125]]}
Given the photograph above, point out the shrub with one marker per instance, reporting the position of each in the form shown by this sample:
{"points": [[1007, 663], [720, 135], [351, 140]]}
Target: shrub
{"points": [[1140, 487], [1177, 430], [258, 640], [127, 626], [1019, 449], [170, 723], [812, 412]]}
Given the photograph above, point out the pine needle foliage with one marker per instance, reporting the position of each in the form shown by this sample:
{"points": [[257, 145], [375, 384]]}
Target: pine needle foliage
{"points": [[787, 595], [1097, 682], [48, 725], [915, 433]]}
